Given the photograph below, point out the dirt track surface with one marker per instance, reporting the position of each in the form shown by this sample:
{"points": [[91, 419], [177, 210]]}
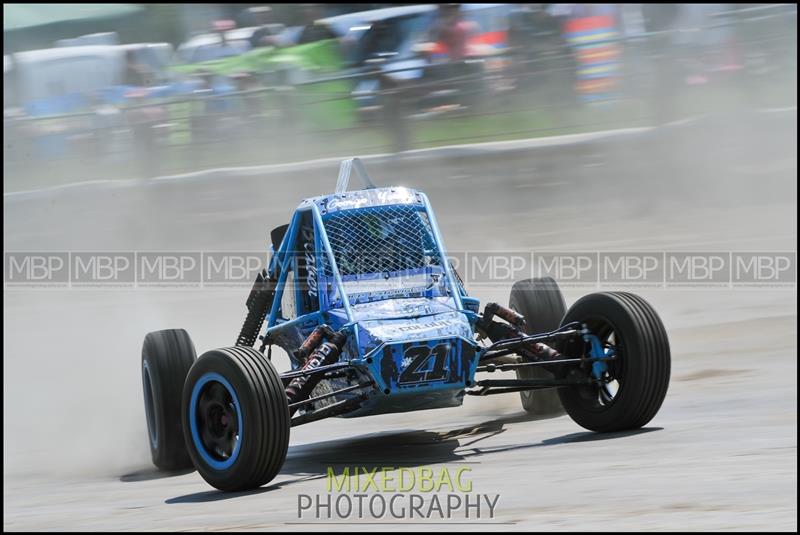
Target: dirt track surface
{"points": [[721, 453]]}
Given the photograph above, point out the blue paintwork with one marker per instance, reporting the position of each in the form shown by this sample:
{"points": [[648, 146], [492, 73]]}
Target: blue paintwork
{"points": [[599, 367]]}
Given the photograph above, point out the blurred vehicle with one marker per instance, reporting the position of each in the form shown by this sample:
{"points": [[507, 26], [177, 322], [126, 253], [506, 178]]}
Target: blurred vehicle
{"points": [[9, 89], [303, 68], [209, 46], [363, 36], [290, 36], [105, 38], [55, 81], [382, 44], [75, 96], [51, 83], [392, 41], [380, 33], [61, 80]]}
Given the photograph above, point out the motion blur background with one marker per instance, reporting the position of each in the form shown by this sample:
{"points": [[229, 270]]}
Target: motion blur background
{"points": [[534, 127], [134, 91]]}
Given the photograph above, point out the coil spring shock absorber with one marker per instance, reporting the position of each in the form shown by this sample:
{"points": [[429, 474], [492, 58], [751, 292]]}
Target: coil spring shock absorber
{"points": [[258, 303], [493, 309], [312, 342], [500, 331], [299, 389]]}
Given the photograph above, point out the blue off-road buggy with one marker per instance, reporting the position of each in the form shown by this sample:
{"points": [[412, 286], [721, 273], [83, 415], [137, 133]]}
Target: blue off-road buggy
{"points": [[360, 294]]}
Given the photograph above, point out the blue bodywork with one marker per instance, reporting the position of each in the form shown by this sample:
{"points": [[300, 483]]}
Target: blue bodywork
{"points": [[371, 262]]}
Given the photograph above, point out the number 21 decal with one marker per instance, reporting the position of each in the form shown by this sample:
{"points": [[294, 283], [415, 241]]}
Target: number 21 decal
{"points": [[418, 369]]}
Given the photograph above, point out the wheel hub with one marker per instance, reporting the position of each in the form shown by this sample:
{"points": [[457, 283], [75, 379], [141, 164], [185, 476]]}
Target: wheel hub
{"points": [[217, 414]]}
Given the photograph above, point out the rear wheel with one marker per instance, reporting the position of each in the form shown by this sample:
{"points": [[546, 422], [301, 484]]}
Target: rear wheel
{"points": [[166, 358], [541, 303], [636, 381], [236, 417]]}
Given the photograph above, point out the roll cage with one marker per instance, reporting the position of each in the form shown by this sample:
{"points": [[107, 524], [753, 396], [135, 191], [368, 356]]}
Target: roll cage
{"points": [[307, 264]]}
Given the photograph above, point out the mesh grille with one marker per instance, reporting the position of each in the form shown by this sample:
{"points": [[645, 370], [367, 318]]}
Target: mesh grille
{"points": [[395, 238]]}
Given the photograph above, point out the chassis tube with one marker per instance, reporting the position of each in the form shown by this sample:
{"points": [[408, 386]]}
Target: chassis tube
{"points": [[279, 261], [340, 407], [327, 246], [451, 281], [297, 405]]}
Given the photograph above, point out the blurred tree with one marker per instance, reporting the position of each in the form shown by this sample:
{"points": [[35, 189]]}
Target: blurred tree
{"points": [[163, 21]]}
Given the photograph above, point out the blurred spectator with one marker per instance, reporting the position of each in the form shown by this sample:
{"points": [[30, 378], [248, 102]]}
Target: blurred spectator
{"points": [[106, 120], [634, 50], [140, 118], [224, 41], [266, 34], [137, 73], [250, 102], [521, 31], [313, 32], [706, 46], [223, 48], [452, 31], [539, 53], [660, 20]]}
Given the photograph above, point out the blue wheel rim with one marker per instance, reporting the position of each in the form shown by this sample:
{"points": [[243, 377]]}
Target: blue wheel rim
{"points": [[213, 459]]}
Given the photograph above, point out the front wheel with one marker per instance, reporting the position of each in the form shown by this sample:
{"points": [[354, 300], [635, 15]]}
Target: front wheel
{"points": [[634, 383], [236, 417]]}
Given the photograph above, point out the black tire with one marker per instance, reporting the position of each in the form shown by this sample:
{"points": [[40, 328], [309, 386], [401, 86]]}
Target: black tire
{"points": [[167, 357], [237, 433], [641, 370], [541, 303]]}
